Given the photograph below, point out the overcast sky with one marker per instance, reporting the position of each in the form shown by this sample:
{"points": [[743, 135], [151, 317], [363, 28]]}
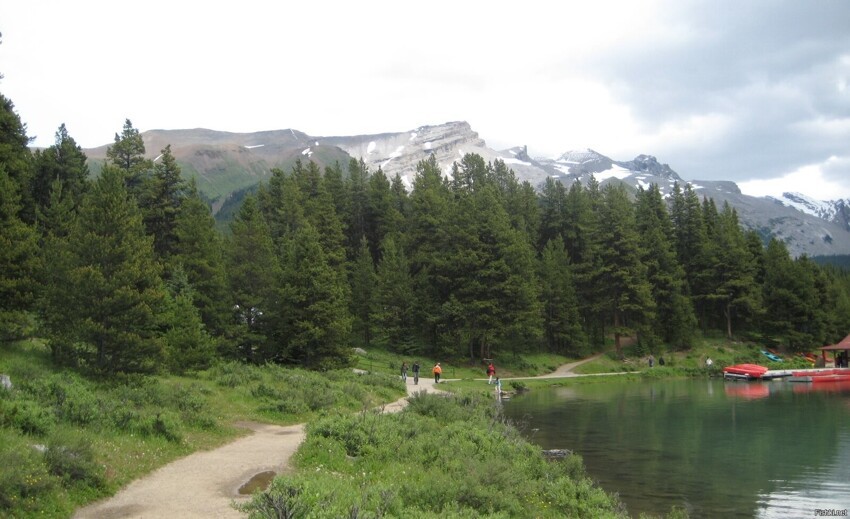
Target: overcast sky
{"points": [[752, 91]]}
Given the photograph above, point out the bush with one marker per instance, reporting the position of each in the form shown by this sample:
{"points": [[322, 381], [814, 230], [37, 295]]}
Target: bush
{"points": [[442, 456], [24, 478], [27, 416], [70, 457]]}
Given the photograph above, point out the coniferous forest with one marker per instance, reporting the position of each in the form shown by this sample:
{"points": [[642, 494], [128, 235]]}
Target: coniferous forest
{"points": [[127, 272]]}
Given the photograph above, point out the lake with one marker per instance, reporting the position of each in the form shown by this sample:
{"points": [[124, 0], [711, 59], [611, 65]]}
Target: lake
{"points": [[715, 448]]}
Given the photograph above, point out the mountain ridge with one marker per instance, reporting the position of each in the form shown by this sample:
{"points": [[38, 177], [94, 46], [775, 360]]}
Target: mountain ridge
{"points": [[228, 162]]}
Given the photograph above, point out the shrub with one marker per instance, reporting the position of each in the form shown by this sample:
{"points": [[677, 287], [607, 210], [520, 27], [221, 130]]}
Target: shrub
{"points": [[27, 416], [70, 456], [23, 476]]}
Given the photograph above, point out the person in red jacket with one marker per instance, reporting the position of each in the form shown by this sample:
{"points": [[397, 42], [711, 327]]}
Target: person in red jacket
{"points": [[491, 372]]}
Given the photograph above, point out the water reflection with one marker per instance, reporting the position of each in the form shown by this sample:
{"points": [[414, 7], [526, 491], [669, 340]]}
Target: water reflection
{"points": [[733, 449]]}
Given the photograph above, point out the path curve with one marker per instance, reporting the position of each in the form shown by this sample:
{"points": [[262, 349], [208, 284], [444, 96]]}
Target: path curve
{"points": [[206, 484]]}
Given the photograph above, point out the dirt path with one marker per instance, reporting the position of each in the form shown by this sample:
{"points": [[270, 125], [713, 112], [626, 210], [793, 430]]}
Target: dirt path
{"points": [[205, 484]]}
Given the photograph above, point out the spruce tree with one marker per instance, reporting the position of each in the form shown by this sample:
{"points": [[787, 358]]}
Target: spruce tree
{"points": [[60, 167], [128, 155], [253, 272], [315, 322], [561, 318], [627, 297], [393, 308], [161, 203], [199, 253], [674, 318], [362, 288], [16, 159], [18, 262], [111, 301], [734, 269]]}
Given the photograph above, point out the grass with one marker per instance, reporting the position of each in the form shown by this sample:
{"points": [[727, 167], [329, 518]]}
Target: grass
{"points": [[379, 360], [66, 440], [443, 456]]}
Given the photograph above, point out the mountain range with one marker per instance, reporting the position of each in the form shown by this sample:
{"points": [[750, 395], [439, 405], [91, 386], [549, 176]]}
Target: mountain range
{"points": [[225, 163]]}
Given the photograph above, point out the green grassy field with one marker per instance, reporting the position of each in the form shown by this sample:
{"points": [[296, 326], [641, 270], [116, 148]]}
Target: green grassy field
{"points": [[66, 440]]}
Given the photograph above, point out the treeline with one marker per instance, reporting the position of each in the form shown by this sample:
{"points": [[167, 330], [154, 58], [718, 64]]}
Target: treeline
{"points": [[127, 272]]}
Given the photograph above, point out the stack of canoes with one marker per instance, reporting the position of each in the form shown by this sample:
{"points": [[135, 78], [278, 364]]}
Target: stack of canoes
{"points": [[744, 371], [821, 376]]}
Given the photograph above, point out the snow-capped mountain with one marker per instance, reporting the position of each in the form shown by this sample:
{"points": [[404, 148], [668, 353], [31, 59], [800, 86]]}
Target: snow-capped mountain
{"points": [[836, 211], [226, 162]]}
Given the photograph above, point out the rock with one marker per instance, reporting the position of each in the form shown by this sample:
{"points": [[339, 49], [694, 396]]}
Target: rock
{"points": [[556, 454], [359, 351], [6, 382]]}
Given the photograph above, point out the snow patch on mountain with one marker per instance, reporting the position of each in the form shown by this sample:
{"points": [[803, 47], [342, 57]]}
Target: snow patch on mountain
{"points": [[614, 171], [808, 205]]}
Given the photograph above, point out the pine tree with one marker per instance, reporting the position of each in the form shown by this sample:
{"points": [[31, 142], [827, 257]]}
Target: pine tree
{"points": [[113, 295], [426, 236], [382, 216], [316, 325], [199, 253], [18, 262], [674, 318], [187, 345], [393, 308], [362, 288], [626, 291], [734, 286], [561, 318], [60, 167], [254, 270], [16, 159], [161, 203], [128, 155]]}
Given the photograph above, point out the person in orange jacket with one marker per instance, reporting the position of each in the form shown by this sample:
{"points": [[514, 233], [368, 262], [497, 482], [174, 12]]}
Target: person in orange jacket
{"points": [[491, 372], [437, 372]]}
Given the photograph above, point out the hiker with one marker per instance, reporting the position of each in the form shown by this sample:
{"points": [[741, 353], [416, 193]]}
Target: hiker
{"points": [[437, 372], [415, 372], [708, 362], [404, 372], [660, 361], [651, 361], [491, 372]]}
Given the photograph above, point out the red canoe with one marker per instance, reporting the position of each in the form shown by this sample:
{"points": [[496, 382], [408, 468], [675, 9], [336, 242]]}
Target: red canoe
{"points": [[744, 371]]}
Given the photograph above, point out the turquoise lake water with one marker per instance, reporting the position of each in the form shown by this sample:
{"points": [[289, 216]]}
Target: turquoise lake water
{"points": [[715, 448]]}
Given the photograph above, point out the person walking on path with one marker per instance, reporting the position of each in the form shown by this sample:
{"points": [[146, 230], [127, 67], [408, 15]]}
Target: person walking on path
{"points": [[416, 372], [404, 372], [437, 372], [491, 372]]}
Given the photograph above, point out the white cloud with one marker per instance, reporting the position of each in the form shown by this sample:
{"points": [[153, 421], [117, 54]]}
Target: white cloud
{"points": [[809, 180]]}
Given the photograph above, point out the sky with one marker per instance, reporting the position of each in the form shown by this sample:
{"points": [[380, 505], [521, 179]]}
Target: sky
{"points": [[754, 91]]}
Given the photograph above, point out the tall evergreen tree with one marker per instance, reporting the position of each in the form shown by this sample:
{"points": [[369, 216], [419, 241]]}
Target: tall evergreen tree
{"points": [[626, 291], [161, 203], [63, 163], [674, 318], [199, 252], [15, 158], [362, 288], [734, 286], [316, 325], [426, 235], [128, 155], [253, 271], [561, 318], [113, 294], [18, 262], [393, 308]]}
